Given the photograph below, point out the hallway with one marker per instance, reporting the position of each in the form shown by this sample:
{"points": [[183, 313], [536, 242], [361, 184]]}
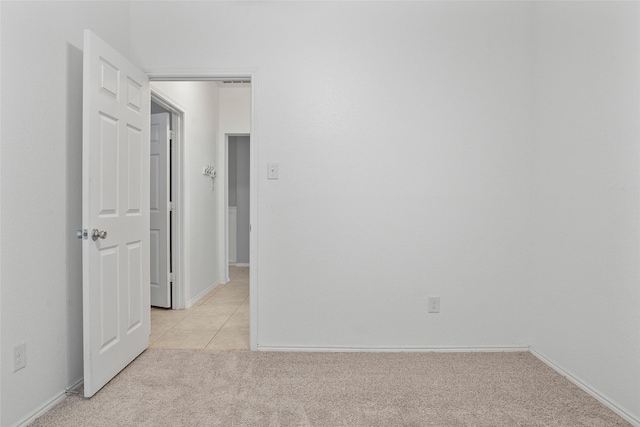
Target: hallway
{"points": [[219, 321]]}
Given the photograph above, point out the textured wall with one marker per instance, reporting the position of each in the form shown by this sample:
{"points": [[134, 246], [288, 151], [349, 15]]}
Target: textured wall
{"points": [[403, 135], [421, 152], [585, 294], [41, 192]]}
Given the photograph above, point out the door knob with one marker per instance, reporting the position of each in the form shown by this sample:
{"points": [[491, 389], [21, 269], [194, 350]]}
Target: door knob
{"points": [[97, 234]]}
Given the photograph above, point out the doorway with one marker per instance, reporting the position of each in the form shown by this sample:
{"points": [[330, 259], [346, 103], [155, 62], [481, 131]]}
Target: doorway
{"points": [[238, 225], [116, 91], [189, 157], [211, 108], [166, 182]]}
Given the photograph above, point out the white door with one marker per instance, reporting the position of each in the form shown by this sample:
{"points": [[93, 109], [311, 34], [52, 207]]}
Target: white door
{"points": [[159, 243], [115, 203]]}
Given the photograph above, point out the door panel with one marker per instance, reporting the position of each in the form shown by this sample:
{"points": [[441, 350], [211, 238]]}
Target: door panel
{"points": [[115, 175], [136, 292], [159, 211], [133, 171]]}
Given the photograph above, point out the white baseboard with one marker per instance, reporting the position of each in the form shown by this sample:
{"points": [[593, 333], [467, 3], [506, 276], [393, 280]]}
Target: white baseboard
{"points": [[239, 264], [48, 405], [586, 387], [200, 295], [436, 349]]}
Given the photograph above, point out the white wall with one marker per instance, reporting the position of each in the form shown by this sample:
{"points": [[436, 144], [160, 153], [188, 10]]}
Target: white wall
{"points": [[585, 294], [232, 171], [356, 100], [200, 101], [41, 187], [407, 135], [235, 110]]}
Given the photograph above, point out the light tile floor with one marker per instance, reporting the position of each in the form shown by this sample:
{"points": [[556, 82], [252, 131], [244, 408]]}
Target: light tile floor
{"points": [[218, 321]]}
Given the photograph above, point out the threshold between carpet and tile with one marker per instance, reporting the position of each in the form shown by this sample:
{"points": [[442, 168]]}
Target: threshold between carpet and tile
{"points": [[218, 321]]}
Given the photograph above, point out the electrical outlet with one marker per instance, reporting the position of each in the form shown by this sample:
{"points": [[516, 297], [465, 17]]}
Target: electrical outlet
{"points": [[434, 305], [19, 356]]}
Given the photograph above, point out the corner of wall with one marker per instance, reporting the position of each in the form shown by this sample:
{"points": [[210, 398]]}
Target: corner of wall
{"points": [[586, 203]]}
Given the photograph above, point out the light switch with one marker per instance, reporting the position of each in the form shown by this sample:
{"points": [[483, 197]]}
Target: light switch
{"points": [[272, 171]]}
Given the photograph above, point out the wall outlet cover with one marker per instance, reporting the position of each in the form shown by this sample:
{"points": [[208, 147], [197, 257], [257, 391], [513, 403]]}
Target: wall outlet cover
{"points": [[19, 356], [433, 304]]}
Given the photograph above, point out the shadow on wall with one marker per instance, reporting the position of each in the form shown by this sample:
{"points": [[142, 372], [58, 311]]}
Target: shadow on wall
{"points": [[73, 209], [239, 196]]}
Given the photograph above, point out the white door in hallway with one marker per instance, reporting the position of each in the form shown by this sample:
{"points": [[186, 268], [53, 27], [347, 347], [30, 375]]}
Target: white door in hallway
{"points": [[159, 244], [115, 212]]}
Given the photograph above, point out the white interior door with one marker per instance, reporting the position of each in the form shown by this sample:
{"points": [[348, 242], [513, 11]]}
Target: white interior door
{"points": [[115, 203], [159, 243]]}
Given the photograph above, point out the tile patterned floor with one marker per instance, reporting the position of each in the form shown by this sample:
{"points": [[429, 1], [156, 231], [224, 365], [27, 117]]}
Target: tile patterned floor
{"points": [[219, 321]]}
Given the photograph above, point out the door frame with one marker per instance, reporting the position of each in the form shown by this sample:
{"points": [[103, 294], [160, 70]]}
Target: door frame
{"points": [[214, 75], [178, 289]]}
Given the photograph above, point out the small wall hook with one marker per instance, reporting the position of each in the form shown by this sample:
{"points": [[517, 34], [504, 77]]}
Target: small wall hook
{"points": [[210, 172]]}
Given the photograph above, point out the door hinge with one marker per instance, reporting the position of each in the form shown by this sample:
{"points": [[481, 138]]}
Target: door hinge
{"points": [[170, 277], [171, 134], [172, 206]]}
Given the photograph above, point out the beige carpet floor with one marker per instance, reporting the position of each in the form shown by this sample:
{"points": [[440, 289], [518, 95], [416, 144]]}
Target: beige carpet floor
{"points": [[242, 388]]}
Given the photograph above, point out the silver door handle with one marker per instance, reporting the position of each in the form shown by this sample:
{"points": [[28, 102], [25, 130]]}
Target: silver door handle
{"points": [[97, 234]]}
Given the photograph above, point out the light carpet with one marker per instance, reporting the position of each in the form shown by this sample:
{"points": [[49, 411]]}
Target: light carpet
{"points": [[242, 388]]}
